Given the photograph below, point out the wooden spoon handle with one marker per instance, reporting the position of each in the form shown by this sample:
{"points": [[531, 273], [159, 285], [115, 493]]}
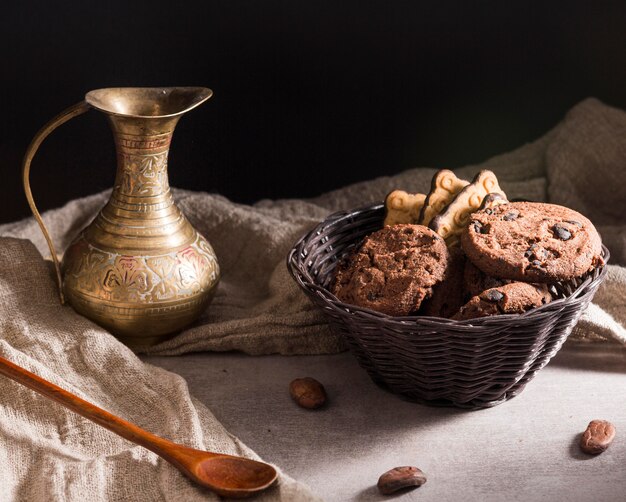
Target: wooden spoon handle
{"points": [[115, 424]]}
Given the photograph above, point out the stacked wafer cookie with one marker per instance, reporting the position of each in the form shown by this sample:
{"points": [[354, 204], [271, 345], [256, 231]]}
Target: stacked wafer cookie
{"points": [[447, 207], [464, 251]]}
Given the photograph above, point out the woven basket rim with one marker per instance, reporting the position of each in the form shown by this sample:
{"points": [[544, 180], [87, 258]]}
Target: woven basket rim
{"points": [[304, 279]]}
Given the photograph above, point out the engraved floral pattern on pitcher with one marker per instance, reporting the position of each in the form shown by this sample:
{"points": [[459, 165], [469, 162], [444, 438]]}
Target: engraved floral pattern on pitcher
{"points": [[86, 263], [127, 280], [192, 268], [212, 268], [144, 174], [164, 288], [143, 279]]}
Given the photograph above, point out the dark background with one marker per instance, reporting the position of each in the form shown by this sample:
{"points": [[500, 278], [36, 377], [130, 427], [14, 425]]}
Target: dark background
{"points": [[309, 96]]}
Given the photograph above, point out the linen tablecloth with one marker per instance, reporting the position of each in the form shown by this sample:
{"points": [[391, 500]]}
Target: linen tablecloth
{"points": [[47, 453]]}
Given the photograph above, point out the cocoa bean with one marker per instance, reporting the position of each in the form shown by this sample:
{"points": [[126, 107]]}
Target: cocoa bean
{"points": [[597, 437], [400, 478], [307, 392]]}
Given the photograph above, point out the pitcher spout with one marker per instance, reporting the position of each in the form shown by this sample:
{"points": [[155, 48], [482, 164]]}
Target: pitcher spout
{"points": [[148, 102]]}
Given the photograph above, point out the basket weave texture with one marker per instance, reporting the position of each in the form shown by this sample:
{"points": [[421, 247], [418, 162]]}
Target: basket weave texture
{"points": [[475, 363]]}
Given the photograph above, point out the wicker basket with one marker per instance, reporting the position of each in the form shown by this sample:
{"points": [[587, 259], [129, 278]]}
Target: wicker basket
{"points": [[470, 364]]}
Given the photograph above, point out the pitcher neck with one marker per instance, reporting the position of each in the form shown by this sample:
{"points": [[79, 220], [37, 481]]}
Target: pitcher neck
{"points": [[142, 150]]}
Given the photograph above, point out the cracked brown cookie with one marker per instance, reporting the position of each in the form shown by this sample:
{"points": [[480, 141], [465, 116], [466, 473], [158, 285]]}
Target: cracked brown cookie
{"points": [[448, 295], [394, 270], [532, 242], [513, 298]]}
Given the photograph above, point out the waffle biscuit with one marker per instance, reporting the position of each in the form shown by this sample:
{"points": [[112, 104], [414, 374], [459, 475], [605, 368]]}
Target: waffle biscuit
{"points": [[403, 207], [450, 223], [443, 188]]}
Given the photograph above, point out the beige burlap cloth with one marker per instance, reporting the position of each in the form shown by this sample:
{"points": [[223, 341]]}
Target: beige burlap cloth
{"points": [[47, 453]]}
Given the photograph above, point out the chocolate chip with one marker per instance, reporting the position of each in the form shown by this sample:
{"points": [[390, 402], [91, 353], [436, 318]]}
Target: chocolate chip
{"points": [[493, 295], [537, 252], [489, 211], [510, 216], [533, 247], [479, 228], [536, 264], [561, 232]]}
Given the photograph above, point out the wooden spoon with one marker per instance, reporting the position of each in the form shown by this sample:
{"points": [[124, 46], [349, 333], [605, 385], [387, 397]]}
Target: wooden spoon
{"points": [[226, 475]]}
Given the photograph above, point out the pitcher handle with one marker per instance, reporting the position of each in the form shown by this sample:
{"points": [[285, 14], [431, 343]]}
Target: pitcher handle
{"points": [[61, 118]]}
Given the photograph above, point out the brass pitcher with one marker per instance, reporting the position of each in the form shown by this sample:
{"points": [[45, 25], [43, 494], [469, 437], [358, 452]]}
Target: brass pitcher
{"points": [[139, 269]]}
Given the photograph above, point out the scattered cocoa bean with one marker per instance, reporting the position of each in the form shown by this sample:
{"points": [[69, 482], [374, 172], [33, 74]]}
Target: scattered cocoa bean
{"points": [[597, 437], [307, 392], [400, 478]]}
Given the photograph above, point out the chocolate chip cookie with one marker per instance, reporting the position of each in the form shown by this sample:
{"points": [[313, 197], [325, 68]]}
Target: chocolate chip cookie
{"points": [[448, 295], [394, 270], [475, 281], [513, 298], [532, 242]]}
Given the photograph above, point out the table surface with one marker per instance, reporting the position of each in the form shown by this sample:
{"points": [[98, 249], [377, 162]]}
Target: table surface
{"points": [[525, 449]]}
